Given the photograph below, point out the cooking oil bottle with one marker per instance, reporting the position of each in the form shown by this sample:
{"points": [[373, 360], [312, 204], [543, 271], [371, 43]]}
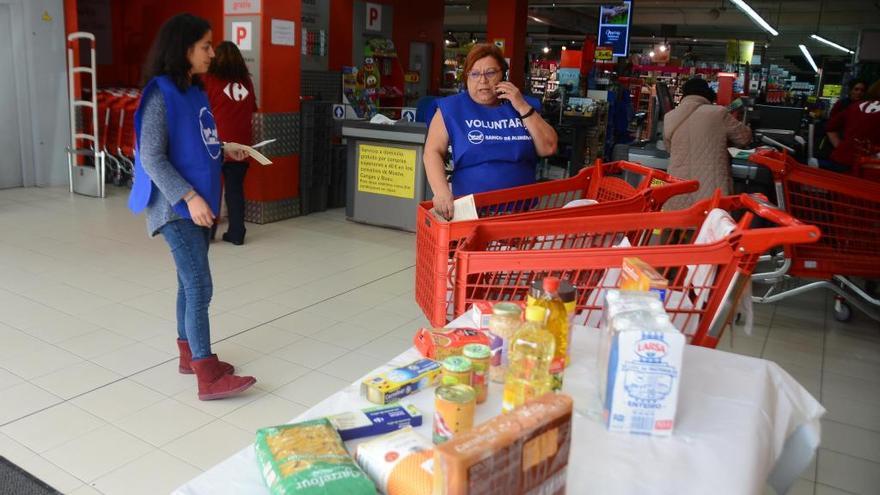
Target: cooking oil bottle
{"points": [[557, 317], [528, 369]]}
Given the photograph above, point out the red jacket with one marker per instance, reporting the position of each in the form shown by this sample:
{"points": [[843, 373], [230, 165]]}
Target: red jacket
{"points": [[232, 104], [860, 123]]}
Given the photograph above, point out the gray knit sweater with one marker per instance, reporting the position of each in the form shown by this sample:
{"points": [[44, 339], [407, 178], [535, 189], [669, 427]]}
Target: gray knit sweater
{"points": [[154, 158]]}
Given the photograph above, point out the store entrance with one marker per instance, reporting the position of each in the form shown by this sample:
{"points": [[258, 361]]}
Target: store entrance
{"points": [[10, 134]]}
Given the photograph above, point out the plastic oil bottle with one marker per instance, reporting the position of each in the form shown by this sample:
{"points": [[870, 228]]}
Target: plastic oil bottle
{"points": [[528, 369], [557, 317]]}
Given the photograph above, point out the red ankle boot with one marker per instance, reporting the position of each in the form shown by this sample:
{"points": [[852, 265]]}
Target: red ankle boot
{"points": [[186, 357], [214, 383]]}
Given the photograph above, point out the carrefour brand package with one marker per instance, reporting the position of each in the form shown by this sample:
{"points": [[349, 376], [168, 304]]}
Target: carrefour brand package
{"points": [[400, 382], [308, 458], [639, 365], [375, 420]]}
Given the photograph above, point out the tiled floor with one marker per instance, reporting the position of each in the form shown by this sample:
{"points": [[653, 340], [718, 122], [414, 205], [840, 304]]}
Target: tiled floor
{"points": [[92, 401]]}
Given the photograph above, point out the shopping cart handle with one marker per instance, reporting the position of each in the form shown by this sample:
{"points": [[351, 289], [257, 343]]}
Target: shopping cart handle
{"points": [[778, 162], [788, 230]]}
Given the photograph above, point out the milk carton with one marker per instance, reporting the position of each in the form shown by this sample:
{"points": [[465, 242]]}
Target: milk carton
{"points": [[640, 367]]}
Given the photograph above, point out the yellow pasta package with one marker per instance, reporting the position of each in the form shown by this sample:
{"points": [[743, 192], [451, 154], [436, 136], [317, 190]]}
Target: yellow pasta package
{"points": [[309, 458]]}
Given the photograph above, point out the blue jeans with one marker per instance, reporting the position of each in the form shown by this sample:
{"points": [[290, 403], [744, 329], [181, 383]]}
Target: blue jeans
{"points": [[189, 248]]}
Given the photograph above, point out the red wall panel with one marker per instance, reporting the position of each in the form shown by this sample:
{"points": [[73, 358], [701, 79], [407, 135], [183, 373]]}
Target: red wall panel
{"points": [[279, 92]]}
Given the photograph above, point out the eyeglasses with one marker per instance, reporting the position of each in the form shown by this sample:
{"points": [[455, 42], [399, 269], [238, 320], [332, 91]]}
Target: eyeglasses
{"points": [[489, 74]]}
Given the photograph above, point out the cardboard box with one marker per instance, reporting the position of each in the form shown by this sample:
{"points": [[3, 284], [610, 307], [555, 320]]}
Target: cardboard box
{"points": [[635, 274], [482, 313], [375, 421], [440, 343], [400, 382], [523, 451]]}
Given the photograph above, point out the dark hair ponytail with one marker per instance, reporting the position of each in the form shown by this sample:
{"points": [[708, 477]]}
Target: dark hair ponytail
{"points": [[168, 55]]}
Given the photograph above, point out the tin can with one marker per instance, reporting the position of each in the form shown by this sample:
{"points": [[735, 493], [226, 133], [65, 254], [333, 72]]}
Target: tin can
{"points": [[480, 356], [457, 370], [454, 407]]}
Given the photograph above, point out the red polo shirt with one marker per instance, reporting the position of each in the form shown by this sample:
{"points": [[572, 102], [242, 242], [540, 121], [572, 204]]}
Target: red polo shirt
{"points": [[860, 123], [232, 104]]}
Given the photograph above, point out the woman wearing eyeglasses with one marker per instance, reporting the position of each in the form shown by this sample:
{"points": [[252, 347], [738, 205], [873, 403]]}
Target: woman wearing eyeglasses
{"points": [[495, 131]]}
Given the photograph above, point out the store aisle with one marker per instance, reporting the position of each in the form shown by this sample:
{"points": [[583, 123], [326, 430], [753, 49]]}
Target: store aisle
{"points": [[92, 401]]}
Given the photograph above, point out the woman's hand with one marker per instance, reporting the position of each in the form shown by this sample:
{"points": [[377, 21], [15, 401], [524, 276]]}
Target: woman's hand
{"points": [[508, 91], [235, 155], [200, 212], [443, 205]]}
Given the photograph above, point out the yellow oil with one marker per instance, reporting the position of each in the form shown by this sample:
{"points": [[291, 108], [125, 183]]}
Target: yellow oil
{"points": [[528, 369]]}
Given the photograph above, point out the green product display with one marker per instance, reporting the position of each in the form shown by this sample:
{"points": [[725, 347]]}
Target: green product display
{"points": [[309, 458]]}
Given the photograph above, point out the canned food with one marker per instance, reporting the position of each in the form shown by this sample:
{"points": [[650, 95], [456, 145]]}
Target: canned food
{"points": [[480, 356], [457, 370], [454, 407]]}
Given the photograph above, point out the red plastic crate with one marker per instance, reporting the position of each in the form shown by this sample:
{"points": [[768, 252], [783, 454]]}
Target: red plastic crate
{"points": [[436, 239], [499, 261]]}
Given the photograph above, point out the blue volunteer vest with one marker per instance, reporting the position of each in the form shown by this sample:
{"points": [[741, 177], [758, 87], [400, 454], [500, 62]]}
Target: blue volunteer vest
{"points": [[193, 147], [491, 147]]}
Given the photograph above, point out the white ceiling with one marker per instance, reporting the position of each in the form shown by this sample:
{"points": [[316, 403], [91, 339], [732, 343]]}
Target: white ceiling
{"points": [[705, 20]]}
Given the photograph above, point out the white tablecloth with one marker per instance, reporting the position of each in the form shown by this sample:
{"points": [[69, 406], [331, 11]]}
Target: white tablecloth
{"points": [[742, 422]]}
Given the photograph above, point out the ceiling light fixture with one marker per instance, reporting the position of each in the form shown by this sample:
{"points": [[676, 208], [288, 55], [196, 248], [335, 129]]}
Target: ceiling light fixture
{"points": [[742, 5], [809, 58], [564, 47], [662, 48], [831, 43], [651, 54], [546, 49]]}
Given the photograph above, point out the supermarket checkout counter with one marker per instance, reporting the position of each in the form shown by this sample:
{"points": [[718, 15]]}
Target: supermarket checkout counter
{"points": [[386, 177], [747, 176]]}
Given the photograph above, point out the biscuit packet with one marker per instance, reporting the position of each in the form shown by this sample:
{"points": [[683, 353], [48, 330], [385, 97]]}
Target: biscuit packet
{"points": [[309, 458]]}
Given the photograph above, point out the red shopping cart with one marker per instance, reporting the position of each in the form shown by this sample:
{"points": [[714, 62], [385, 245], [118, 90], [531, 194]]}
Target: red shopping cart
{"points": [[868, 166], [847, 210], [608, 184], [499, 261]]}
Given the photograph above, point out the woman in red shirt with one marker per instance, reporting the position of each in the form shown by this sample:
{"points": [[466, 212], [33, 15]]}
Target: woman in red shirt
{"points": [[860, 123], [231, 93]]}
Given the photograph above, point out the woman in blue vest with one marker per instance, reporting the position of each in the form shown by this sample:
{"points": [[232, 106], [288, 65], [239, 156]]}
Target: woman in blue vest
{"points": [[495, 132], [177, 182]]}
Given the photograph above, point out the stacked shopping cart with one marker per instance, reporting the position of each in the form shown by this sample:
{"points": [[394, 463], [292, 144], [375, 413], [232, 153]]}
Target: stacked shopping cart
{"points": [[525, 233], [847, 210]]}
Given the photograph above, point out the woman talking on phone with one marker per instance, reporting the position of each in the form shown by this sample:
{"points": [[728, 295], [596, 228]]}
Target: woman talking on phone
{"points": [[177, 182], [496, 133]]}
